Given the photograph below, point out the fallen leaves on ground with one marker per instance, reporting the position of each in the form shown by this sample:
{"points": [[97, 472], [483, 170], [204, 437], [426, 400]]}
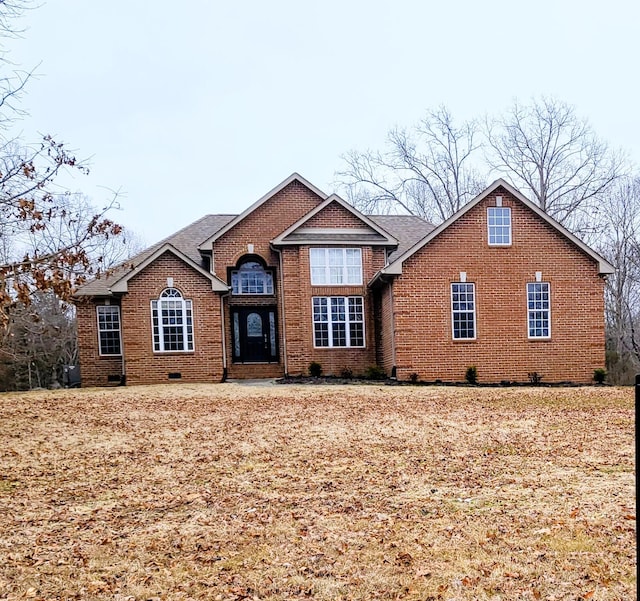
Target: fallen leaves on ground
{"points": [[231, 492]]}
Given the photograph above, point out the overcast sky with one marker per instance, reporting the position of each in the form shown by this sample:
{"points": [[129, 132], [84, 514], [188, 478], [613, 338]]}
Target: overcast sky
{"points": [[197, 107]]}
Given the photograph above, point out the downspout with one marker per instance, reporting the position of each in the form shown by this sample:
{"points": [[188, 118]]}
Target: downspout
{"points": [[123, 376], [282, 311], [393, 329]]}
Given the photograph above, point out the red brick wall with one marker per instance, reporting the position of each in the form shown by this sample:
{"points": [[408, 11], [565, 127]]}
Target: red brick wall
{"points": [[334, 215], [263, 225], [143, 366], [384, 327], [259, 228], [299, 315], [502, 350], [94, 369]]}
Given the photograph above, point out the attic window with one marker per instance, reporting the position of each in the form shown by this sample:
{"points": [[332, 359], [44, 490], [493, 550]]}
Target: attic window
{"points": [[251, 278], [499, 226]]}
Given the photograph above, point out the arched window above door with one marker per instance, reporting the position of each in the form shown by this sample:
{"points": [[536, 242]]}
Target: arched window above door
{"points": [[251, 278]]}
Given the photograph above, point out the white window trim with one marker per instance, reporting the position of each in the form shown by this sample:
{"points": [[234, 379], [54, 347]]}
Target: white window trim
{"points": [[347, 323], [327, 267], [186, 303], [119, 330], [489, 226], [530, 310], [475, 317]]}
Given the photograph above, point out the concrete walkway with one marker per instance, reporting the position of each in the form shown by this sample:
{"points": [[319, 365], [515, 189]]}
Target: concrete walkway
{"points": [[256, 382]]}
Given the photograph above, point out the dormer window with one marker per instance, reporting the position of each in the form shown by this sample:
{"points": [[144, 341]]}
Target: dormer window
{"points": [[499, 226], [251, 278]]}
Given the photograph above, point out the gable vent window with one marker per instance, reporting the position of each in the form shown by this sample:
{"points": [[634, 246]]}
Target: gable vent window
{"points": [[251, 278], [336, 266], [172, 320], [499, 223]]}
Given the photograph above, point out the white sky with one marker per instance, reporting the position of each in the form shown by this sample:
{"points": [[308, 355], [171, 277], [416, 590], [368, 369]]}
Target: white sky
{"points": [[199, 106]]}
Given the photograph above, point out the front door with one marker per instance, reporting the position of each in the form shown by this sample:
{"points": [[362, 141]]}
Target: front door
{"points": [[255, 338]]}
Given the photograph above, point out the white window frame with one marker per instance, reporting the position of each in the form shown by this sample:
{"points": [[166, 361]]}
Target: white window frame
{"points": [[172, 299], [532, 311], [114, 309], [494, 228], [324, 273], [317, 317], [458, 311]]}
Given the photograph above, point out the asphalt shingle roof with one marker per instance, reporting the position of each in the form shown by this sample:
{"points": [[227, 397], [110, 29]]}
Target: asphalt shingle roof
{"points": [[407, 229]]}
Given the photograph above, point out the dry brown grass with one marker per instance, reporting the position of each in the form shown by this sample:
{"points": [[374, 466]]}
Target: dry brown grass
{"points": [[334, 492]]}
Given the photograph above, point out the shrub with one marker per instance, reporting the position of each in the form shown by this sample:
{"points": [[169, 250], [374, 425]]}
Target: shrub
{"points": [[535, 378], [413, 378], [374, 372], [315, 369], [599, 375], [471, 374], [346, 373]]}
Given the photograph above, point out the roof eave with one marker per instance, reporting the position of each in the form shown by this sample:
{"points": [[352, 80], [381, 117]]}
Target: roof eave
{"points": [[389, 239], [277, 243], [206, 245], [604, 267], [122, 285]]}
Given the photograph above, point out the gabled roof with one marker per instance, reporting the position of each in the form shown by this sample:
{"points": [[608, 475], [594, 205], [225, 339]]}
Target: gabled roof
{"points": [[395, 267], [206, 245], [185, 241], [370, 234], [121, 285]]}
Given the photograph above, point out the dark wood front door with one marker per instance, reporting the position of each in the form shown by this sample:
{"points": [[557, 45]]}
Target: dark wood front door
{"points": [[255, 335]]}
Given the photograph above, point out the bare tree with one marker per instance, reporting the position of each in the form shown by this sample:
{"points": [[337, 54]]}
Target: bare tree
{"points": [[620, 243], [427, 171], [103, 252], [28, 205], [555, 158]]}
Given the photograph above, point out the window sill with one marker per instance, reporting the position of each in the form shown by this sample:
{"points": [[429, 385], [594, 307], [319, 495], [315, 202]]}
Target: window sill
{"points": [[333, 348], [259, 294]]}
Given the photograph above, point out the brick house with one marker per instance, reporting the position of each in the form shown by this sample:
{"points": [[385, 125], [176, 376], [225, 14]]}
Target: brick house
{"points": [[301, 276]]}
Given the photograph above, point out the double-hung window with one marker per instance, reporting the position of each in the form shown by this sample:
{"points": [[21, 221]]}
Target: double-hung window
{"points": [[539, 310], [463, 311], [336, 266], [499, 223], [338, 321], [172, 319], [109, 329]]}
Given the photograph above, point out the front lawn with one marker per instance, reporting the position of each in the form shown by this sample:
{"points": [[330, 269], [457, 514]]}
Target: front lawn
{"points": [[336, 492]]}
